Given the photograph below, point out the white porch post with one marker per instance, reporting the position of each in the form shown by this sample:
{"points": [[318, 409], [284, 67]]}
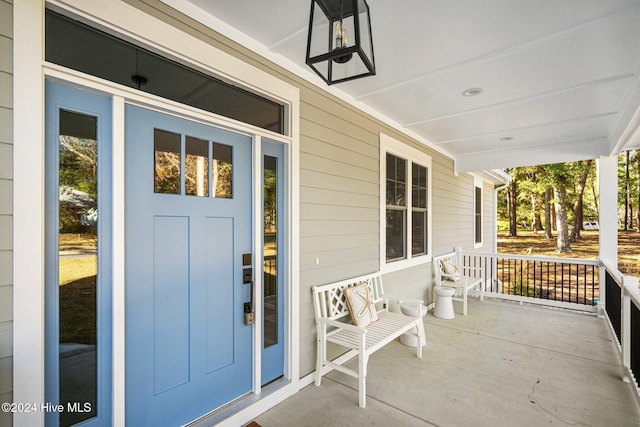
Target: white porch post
{"points": [[608, 220]]}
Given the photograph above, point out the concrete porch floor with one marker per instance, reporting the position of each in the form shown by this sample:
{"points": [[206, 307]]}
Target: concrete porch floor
{"points": [[502, 365]]}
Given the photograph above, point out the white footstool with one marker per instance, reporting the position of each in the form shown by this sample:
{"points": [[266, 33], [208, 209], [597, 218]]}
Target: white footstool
{"points": [[444, 303], [411, 309]]}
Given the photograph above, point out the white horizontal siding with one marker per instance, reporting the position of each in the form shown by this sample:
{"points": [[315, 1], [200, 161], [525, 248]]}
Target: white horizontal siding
{"points": [[339, 213]]}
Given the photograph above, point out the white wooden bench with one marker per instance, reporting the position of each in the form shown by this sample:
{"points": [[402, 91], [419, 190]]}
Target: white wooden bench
{"points": [[449, 272], [333, 322]]}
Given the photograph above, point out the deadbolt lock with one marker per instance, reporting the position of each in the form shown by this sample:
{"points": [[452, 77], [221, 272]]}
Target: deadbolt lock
{"points": [[247, 275]]}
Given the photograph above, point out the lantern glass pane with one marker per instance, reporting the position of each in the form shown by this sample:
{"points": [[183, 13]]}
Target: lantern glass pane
{"points": [[320, 37], [353, 67], [366, 43]]}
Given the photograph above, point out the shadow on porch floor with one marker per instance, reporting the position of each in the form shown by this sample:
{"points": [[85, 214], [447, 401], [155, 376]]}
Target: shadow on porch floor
{"points": [[502, 365]]}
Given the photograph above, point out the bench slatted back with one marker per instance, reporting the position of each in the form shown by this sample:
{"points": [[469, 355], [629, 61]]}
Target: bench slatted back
{"points": [[329, 300], [437, 262]]}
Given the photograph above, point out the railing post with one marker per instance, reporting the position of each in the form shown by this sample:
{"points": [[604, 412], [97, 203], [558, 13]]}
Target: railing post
{"points": [[625, 326], [602, 292]]}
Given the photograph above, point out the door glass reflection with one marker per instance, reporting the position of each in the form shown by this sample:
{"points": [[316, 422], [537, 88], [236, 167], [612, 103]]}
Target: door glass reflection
{"points": [[77, 266], [222, 171], [166, 161], [270, 251], [196, 179]]}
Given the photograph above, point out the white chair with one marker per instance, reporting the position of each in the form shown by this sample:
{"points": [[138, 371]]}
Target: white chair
{"points": [[450, 273]]}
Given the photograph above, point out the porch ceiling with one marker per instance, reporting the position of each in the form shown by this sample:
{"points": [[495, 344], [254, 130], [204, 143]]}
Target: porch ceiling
{"points": [[560, 80]]}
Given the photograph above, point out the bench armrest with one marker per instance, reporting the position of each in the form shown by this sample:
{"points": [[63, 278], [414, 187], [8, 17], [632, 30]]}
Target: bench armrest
{"points": [[346, 326], [452, 276]]}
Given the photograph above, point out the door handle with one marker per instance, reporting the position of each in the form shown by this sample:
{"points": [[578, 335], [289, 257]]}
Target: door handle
{"points": [[247, 278], [249, 317]]}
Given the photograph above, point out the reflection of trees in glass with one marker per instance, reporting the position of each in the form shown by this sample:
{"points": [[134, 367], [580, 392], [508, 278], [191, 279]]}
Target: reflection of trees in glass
{"points": [[167, 172], [270, 201], [77, 186], [222, 179], [196, 180]]}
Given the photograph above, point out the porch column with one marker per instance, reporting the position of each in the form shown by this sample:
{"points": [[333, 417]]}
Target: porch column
{"points": [[608, 189], [608, 217]]}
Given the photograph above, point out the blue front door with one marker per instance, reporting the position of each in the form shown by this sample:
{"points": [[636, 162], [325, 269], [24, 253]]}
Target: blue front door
{"points": [[188, 225]]}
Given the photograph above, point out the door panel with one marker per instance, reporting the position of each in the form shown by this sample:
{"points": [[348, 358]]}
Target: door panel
{"points": [[219, 250], [188, 222], [170, 302]]}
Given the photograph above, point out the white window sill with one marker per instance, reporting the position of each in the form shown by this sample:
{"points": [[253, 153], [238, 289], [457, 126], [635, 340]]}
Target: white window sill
{"points": [[389, 267]]}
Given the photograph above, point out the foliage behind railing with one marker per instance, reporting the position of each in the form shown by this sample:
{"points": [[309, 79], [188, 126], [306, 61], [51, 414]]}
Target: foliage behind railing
{"points": [[563, 280]]}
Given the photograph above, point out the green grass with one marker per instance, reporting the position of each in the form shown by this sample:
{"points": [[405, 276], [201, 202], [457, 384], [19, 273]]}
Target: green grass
{"points": [[72, 269]]}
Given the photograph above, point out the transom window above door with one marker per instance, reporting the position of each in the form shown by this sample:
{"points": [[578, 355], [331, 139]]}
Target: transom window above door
{"points": [[80, 47], [191, 166]]}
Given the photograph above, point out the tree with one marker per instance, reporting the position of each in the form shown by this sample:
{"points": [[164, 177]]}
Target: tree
{"points": [[563, 244], [627, 192], [638, 189], [513, 220], [559, 176], [583, 168], [560, 191], [547, 214], [536, 220]]}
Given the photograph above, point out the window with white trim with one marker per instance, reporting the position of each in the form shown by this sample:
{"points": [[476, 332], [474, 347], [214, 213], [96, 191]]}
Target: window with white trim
{"points": [[477, 214], [405, 237]]}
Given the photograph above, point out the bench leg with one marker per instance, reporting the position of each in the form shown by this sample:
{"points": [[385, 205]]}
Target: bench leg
{"points": [[464, 301], [420, 333], [362, 379], [321, 353]]}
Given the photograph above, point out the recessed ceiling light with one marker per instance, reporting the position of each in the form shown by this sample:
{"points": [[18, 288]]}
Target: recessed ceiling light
{"points": [[506, 138], [472, 91]]}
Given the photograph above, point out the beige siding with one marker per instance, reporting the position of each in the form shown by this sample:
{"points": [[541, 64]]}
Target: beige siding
{"points": [[6, 206], [339, 188]]}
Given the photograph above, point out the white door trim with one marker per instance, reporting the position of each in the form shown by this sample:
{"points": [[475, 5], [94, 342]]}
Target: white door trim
{"points": [[28, 210]]}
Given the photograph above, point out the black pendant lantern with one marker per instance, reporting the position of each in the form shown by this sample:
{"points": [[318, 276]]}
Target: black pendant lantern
{"points": [[340, 45]]}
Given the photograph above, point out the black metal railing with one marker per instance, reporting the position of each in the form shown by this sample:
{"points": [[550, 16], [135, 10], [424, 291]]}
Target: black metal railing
{"points": [[270, 275], [635, 341], [564, 280], [613, 302], [622, 307]]}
